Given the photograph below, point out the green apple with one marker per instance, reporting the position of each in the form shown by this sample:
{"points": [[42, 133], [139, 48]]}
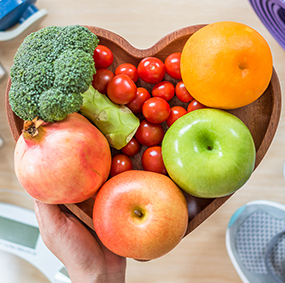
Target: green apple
{"points": [[209, 153]]}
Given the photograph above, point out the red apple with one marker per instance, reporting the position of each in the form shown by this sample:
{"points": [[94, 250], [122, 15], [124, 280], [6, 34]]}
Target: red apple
{"points": [[140, 214]]}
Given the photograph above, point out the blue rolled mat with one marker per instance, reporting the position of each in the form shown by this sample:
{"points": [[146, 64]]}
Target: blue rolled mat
{"points": [[272, 15]]}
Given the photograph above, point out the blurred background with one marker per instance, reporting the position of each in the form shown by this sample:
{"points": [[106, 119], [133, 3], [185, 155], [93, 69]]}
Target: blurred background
{"points": [[201, 257]]}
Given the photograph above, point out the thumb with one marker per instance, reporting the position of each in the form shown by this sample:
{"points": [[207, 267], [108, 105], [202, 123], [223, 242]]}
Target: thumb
{"points": [[48, 215]]}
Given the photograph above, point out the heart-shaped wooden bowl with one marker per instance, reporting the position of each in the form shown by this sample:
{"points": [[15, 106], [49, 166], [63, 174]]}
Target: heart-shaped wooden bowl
{"points": [[261, 116]]}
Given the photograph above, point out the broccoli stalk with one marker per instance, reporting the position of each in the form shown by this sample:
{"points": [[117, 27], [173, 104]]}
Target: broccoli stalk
{"points": [[116, 122], [52, 75]]}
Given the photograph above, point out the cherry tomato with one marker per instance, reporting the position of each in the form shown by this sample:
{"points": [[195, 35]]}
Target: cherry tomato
{"points": [[156, 110], [151, 70], [131, 148], [128, 69], [194, 105], [175, 113], [182, 93], [149, 134], [172, 65], [152, 160], [164, 90], [101, 80], [141, 96], [121, 89], [120, 163], [103, 57]]}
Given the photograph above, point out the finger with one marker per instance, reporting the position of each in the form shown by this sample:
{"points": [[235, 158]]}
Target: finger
{"points": [[47, 214]]}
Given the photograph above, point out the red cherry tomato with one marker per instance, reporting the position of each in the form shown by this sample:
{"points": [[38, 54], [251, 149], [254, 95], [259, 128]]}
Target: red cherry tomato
{"points": [[120, 163], [151, 70], [101, 80], [131, 148], [164, 90], [175, 113], [149, 134], [182, 93], [121, 89], [152, 160], [129, 70], [156, 110], [172, 65], [141, 96], [194, 105], [103, 57]]}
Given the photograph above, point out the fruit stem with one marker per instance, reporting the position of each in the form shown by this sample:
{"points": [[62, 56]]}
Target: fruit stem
{"points": [[31, 131], [138, 213], [31, 128]]}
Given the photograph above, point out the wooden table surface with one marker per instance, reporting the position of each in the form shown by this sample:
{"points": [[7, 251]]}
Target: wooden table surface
{"points": [[201, 257]]}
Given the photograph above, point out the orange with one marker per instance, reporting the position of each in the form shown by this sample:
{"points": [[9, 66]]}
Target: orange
{"points": [[226, 65]]}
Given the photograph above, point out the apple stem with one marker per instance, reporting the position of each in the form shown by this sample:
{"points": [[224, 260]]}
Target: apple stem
{"points": [[138, 213]]}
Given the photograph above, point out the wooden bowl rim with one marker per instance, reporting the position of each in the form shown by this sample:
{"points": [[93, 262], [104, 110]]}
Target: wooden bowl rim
{"points": [[137, 52]]}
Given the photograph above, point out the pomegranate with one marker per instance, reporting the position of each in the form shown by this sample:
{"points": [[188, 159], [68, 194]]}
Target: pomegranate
{"points": [[62, 162]]}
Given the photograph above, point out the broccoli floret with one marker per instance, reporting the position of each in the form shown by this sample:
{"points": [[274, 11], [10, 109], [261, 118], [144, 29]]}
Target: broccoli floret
{"points": [[51, 69], [68, 67], [24, 100], [54, 105]]}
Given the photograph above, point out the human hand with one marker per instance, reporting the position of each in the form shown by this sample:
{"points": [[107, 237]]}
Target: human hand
{"points": [[84, 256]]}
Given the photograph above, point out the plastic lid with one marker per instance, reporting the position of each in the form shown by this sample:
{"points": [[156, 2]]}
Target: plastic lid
{"points": [[13, 12]]}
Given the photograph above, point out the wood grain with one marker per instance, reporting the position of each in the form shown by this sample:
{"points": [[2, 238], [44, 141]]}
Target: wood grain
{"points": [[261, 116]]}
